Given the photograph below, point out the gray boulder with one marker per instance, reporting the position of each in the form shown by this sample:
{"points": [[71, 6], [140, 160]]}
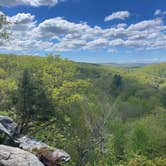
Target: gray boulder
{"points": [[10, 156], [8, 126], [48, 155]]}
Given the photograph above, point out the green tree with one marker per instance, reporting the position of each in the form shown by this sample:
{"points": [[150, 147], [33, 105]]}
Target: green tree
{"points": [[117, 81], [25, 108], [31, 101], [3, 31], [163, 97]]}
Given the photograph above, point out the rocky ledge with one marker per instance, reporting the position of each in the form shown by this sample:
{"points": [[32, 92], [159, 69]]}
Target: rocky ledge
{"points": [[11, 156], [31, 151]]}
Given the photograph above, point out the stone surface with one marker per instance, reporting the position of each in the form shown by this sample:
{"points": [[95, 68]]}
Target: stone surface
{"points": [[28, 143], [48, 155], [7, 125], [10, 156]]}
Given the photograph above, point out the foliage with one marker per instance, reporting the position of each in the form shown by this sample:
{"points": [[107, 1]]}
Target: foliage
{"points": [[101, 115], [3, 28]]}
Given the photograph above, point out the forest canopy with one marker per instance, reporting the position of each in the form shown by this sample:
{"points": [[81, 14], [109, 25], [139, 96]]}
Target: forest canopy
{"points": [[102, 115]]}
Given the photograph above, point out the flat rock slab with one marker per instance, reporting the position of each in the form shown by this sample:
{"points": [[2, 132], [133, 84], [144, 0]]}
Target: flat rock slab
{"points": [[10, 156]]}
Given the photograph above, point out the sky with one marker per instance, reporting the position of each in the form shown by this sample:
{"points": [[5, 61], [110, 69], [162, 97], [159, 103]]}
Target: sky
{"points": [[95, 31]]}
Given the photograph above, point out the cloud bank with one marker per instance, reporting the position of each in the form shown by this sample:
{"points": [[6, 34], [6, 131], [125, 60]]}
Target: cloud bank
{"points": [[34, 3], [59, 35]]}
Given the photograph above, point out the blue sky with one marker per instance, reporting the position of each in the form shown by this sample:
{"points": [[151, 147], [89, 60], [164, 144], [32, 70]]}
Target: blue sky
{"points": [[98, 31]]}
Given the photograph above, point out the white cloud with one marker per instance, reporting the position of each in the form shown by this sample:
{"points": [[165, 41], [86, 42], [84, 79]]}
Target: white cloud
{"points": [[1, 13], [59, 27], [159, 12], [117, 42], [122, 15], [35, 3], [98, 43], [58, 35], [121, 25], [146, 25], [22, 22]]}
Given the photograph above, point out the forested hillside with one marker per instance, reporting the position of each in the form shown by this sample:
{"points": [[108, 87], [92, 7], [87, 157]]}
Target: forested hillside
{"points": [[101, 115]]}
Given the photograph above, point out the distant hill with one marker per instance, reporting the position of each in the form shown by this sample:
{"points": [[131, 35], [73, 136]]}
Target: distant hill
{"points": [[135, 65], [143, 73], [156, 69]]}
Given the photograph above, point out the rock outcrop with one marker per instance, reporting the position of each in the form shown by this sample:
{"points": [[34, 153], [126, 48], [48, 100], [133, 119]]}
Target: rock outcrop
{"points": [[48, 155], [10, 156], [8, 126]]}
